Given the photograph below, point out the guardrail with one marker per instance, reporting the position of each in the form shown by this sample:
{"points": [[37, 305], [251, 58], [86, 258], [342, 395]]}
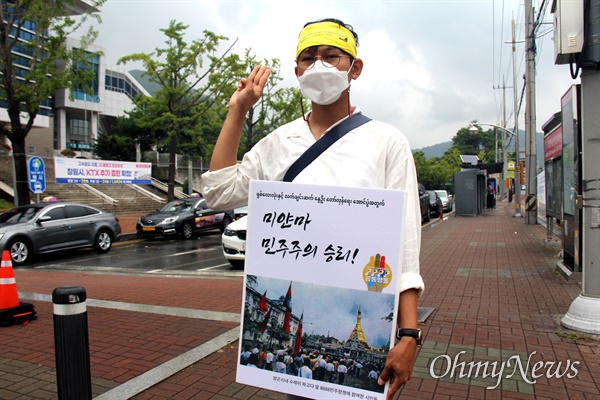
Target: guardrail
{"points": [[98, 194], [147, 193], [165, 188]]}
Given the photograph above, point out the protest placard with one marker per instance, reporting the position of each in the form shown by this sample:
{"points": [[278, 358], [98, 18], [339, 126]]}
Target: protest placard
{"points": [[320, 293]]}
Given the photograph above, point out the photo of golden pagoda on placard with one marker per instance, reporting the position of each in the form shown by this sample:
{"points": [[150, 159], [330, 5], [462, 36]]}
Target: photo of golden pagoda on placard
{"points": [[341, 334]]}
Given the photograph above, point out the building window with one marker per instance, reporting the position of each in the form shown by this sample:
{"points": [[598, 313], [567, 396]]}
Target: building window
{"points": [[92, 64], [78, 127], [117, 82]]}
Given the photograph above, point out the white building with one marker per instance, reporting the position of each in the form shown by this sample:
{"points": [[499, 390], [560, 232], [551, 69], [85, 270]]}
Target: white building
{"points": [[63, 123], [77, 122]]}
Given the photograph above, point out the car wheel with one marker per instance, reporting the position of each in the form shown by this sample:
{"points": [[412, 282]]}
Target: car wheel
{"points": [[187, 230], [237, 264], [428, 217], [103, 241], [20, 251], [226, 221]]}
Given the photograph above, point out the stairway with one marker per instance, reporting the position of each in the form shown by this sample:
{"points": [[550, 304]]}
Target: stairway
{"points": [[129, 200]]}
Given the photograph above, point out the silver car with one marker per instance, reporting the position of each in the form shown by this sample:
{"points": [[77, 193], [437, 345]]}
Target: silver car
{"points": [[26, 231]]}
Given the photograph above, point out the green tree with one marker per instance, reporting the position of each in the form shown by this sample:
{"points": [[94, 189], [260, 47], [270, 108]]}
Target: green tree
{"points": [[480, 143], [436, 172], [52, 66], [277, 106], [188, 88], [421, 165], [115, 147], [122, 137]]}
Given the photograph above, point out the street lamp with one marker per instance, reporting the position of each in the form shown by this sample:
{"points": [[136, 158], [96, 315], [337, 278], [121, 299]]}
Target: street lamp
{"points": [[474, 129]]}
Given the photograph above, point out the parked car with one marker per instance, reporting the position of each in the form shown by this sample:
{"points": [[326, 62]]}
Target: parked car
{"points": [[183, 217], [234, 242], [435, 203], [424, 203], [447, 200], [33, 229], [240, 212]]}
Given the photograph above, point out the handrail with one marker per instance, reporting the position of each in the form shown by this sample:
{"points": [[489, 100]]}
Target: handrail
{"points": [[165, 188], [147, 193], [98, 193]]}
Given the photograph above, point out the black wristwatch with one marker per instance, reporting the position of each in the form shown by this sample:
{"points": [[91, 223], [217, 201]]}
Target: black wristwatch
{"points": [[413, 333]]}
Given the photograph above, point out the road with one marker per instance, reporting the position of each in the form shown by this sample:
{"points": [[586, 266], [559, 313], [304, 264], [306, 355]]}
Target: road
{"points": [[162, 256], [199, 256]]}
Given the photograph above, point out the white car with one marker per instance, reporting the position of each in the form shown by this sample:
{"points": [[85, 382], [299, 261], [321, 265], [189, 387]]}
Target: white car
{"points": [[234, 242], [447, 201]]}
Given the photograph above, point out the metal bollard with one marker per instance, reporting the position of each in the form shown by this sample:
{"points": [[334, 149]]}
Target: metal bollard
{"points": [[71, 343]]}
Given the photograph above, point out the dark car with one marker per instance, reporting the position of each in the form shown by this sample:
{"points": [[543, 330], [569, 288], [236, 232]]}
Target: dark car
{"points": [[435, 203], [28, 230], [183, 217], [424, 203]]}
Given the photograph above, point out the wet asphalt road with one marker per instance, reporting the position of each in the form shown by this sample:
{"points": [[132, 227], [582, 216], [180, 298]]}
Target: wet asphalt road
{"points": [[201, 255]]}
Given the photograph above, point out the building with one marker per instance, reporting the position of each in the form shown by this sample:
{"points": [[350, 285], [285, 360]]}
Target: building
{"points": [[357, 340], [65, 123]]}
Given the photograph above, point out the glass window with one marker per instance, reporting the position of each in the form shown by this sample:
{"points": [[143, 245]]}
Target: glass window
{"points": [[56, 213], [77, 211], [17, 215]]}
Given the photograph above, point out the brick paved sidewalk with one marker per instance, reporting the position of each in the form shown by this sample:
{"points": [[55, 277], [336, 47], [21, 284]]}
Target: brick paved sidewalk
{"points": [[490, 279]]}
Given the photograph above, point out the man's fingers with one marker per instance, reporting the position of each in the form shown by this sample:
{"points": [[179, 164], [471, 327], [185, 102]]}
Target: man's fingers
{"points": [[392, 391], [383, 377], [262, 76]]}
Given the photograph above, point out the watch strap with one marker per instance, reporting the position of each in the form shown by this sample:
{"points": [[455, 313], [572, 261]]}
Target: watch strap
{"points": [[414, 333]]}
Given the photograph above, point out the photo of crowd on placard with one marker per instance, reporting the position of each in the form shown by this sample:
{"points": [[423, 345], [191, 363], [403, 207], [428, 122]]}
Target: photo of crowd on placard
{"points": [[342, 336]]}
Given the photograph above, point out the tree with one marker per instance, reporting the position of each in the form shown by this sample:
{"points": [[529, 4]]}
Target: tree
{"points": [[481, 143], [436, 172], [122, 137], [277, 106], [187, 88], [52, 66]]}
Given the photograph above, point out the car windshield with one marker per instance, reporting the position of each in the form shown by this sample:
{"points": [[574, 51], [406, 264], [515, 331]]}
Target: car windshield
{"points": [[178, 206], [18, 215], [441, 193]]}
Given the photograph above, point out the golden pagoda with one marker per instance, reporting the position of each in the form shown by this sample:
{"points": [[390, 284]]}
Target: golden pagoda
{"points": [[357, 337]]}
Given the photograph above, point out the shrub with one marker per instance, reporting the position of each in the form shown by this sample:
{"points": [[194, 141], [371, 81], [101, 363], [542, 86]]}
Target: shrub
{"points": [[68, 153]]}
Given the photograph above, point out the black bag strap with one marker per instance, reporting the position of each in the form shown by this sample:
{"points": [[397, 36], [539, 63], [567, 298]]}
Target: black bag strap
{"points": [[323, 144]]}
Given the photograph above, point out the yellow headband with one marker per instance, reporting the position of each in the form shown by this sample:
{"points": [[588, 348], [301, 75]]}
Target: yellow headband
{"points": [[326, 34]]}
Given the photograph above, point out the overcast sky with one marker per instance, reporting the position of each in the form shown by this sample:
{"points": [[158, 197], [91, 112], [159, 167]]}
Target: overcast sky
{"points": [[431, 66]]}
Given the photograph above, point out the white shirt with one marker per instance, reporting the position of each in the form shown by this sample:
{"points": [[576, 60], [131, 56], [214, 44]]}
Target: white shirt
{"points": [[374, 155], [305, 372]]}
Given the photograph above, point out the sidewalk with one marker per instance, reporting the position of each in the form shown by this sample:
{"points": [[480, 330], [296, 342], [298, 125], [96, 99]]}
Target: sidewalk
{"points": [[490, 280]]}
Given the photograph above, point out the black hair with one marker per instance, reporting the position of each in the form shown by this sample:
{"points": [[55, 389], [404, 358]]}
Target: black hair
{"points": [[340, 23]]}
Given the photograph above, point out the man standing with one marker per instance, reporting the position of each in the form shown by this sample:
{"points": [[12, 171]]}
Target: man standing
{"points": [[372, 155]]}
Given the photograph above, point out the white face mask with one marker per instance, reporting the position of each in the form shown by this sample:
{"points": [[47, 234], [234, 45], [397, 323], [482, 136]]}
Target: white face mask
{"points": [[323, 85]]}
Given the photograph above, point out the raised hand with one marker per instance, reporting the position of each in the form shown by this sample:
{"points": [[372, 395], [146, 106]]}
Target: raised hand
{"points": [[250, 89]]}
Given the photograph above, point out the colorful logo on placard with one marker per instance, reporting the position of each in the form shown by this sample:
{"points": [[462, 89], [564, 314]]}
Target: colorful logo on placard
{"points": [[377, 274]]}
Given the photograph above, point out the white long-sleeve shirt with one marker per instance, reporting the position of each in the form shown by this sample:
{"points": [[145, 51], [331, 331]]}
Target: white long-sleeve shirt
{"points": [[374, 155]]}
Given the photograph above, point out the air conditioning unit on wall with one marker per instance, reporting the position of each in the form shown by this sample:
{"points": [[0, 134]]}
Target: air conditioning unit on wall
{"points": [[568, 30]]}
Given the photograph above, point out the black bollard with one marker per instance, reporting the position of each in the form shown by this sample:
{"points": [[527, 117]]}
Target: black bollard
{"points": [[71, 343]]}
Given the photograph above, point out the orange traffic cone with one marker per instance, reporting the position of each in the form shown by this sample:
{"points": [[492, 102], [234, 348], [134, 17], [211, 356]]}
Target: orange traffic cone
{"points": [[12, 311], [9, 297]]}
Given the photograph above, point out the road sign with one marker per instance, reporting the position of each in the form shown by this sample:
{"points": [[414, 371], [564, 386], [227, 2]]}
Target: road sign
{"points": [[37, 175]]}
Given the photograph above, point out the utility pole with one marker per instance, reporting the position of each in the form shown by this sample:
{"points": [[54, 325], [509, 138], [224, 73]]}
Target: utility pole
{"points": [[530, 118], [516, 105], [503, 188], [584, 313]]}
